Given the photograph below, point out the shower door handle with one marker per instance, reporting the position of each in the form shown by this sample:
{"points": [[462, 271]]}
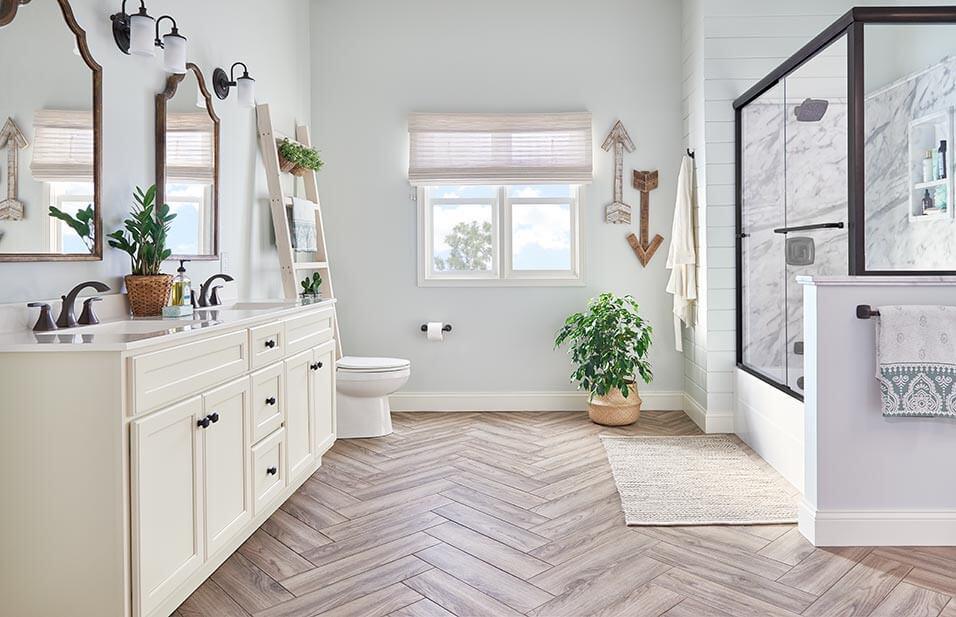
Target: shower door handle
{"points": [[786, 230]]}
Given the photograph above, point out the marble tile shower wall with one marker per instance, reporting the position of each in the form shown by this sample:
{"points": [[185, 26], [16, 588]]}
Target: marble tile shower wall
{"points": [[795, 173], [892, 240]]}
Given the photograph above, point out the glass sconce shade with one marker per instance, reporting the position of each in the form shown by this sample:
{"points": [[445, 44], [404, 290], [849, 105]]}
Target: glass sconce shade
{"points": [[174, 58], [246, 87], [141, 41]]}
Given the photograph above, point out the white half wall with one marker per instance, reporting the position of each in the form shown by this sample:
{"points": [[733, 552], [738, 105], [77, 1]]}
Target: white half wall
{"points": [[870, 480], [377, 60]]}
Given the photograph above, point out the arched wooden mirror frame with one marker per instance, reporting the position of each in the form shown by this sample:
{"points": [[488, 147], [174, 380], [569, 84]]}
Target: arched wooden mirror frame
{"points": [[162, 101], [8, 11]]}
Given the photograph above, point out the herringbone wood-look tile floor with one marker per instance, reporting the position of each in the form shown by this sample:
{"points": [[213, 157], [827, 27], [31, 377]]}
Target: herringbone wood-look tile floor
{"points": [[516, 513]]}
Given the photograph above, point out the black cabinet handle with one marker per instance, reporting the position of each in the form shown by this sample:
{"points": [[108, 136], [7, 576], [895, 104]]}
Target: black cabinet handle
{"points": [[214, 417], [272, 471], [315, 366], [271, 400], [204, 423], [270, 343]]}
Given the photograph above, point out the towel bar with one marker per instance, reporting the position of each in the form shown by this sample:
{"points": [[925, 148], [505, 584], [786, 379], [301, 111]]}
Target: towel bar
{"points": [[865, 311]]}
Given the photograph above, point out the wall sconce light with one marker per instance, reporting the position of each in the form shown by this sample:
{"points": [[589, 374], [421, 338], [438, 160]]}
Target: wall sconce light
{"points": [[138, 34], [245, 85]]}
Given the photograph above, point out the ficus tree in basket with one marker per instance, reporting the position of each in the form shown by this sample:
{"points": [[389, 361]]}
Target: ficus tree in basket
{"points": [[608, 343], [144, 233]]}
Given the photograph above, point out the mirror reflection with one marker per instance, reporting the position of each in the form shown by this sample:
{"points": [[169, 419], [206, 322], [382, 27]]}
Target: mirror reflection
{"points": [[47, 138], [187, 164]]}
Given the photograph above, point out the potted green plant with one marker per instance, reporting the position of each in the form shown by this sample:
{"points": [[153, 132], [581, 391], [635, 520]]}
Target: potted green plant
{"points": [[144, 239], [311, 287], [608, 343], [83, 223], [298, 159]]}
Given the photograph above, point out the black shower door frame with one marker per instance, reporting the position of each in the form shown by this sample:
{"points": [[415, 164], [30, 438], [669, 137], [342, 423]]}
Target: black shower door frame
{"points": [[851, 24]]}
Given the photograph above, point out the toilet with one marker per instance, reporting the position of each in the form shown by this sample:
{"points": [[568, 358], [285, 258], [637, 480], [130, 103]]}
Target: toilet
{"points": [[363, 386]]}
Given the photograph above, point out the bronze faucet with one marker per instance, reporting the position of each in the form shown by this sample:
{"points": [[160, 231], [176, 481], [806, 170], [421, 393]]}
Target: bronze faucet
{"points": [[66, 318], [204, 299]]}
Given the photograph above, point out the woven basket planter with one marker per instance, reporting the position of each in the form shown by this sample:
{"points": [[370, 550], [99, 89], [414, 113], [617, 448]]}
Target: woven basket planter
{"points": [[285, 166], [148, 294], [299, 170], [614, 409]]}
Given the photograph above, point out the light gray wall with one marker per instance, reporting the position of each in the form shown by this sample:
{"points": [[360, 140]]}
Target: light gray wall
{"points": [[273, 39], [378, 60]]}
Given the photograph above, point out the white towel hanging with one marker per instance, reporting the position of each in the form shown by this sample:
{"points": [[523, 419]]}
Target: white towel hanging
{"points": [[682, 254]]}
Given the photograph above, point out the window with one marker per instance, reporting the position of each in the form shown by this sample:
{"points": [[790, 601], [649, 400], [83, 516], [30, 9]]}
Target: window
{"points": [[499, 235], [499, 196], [70, 197]]}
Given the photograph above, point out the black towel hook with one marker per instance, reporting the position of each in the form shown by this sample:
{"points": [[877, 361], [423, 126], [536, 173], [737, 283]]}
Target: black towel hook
{"points": [[690, 153]]}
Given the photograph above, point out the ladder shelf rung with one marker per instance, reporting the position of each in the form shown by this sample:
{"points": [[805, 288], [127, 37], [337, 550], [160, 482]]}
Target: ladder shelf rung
{"points": [[311, 265]]}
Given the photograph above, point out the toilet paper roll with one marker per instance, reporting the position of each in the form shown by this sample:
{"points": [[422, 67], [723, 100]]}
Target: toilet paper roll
{"points": [[434, 333]]}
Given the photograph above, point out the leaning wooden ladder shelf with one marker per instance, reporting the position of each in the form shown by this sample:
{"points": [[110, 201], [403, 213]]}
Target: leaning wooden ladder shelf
{"points": [[291, 269]]}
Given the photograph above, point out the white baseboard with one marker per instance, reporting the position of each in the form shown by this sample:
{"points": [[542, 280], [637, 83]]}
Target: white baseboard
{"points": [[878, 527], [519, 401], [708, 422]]}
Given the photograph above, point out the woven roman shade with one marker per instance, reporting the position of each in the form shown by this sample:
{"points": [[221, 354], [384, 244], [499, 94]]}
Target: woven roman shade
{"points": [[459, 148], [62, 146], [189, 147]]}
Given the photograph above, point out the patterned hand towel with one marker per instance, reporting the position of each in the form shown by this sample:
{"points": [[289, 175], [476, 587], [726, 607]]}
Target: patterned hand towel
{"points": [[302, 225], [916, 360]]}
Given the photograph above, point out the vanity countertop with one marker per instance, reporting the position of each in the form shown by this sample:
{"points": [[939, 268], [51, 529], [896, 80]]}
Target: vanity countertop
{"points": [[135, 333]]}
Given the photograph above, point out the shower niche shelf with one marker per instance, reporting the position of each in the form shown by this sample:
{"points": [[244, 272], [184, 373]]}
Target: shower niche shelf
{"points": [[930, 196]]}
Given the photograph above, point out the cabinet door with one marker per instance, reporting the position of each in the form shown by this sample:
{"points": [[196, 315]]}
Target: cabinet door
{"points": [[226, 443], [167, 508], [300, 432], [323, 396]]}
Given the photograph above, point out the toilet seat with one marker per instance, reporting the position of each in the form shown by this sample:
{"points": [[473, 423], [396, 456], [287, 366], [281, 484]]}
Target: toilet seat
{"points": [[358, 364]]}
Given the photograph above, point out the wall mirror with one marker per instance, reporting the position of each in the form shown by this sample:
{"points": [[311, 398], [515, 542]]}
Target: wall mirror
{"points": [[50, 135], [187, 164]]}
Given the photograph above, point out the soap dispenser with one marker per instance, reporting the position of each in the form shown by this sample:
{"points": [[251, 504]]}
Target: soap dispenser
{"points": [[181, 297]]}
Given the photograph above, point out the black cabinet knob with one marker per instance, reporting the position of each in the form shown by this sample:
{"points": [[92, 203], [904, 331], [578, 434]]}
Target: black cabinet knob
{"points": [[272, 471], [315, 366], [319, 364], [271, 400], [270, 343], [214, 417], [204, 423]]}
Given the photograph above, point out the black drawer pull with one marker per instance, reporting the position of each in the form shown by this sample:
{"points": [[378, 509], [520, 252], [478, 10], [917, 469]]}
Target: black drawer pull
{"points": [[271, 400], [270, 343], [272, 471]]}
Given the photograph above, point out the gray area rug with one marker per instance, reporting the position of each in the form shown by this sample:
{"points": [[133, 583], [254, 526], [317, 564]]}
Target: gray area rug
{"points": [[699, 480]]}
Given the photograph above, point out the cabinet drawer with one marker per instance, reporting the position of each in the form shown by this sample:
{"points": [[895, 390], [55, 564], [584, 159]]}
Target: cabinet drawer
{"points": [[306, 331], [268, 469], [173, 374], [266, 344], [268, 401]]}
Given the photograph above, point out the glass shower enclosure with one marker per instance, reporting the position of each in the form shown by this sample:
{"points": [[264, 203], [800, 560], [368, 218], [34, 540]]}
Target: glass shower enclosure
{"points": [[843, 167]]}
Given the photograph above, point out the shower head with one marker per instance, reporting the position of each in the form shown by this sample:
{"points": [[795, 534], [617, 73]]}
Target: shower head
{"points": [[811, 110]]}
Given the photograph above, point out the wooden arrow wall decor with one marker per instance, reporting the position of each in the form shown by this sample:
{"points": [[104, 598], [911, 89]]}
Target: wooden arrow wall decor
{"points": [[618, 212], [645, 182], [10, 136]]}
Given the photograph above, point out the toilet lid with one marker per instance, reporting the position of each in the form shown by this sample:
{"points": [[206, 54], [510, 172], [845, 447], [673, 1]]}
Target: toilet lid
{"points": [[369, 365]]}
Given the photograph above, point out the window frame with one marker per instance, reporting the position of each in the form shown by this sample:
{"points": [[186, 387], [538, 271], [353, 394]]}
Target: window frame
{"points": [[502, 273]]}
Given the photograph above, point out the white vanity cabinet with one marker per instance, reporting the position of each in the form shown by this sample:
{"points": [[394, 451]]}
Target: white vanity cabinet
{"points": [[156, 460]]}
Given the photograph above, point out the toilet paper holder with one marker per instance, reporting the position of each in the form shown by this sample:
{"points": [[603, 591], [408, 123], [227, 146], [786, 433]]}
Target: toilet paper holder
{"points": [[445, 328]]}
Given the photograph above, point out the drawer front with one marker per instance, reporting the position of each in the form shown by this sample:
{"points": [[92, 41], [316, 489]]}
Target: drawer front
{"points": [[268, 469], [266, 344], [173, 374], [307, 331], [268, 401]]}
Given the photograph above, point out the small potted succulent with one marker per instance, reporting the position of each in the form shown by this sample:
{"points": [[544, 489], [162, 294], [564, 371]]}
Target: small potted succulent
{"points": [[311, 287], [297, 159], [609, 343], [144, 239]]}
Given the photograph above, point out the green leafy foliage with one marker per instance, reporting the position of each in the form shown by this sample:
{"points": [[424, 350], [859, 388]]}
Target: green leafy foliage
{"points": [[608, 343], [144, 233], [311, 285], [470, 245], [300, 155], [82, 223]]}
